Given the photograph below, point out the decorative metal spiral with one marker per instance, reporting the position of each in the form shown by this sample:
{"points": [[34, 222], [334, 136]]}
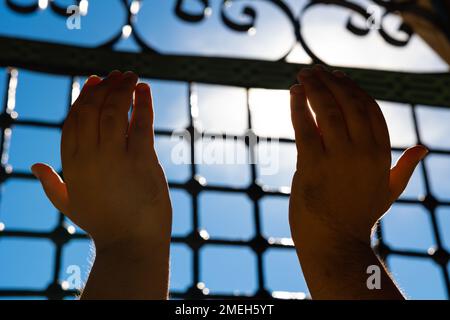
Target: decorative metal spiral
{"points": [[248, 18]]}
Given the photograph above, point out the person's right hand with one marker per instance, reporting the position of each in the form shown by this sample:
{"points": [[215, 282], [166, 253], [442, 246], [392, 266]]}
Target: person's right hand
{"points": [[343, 183]]}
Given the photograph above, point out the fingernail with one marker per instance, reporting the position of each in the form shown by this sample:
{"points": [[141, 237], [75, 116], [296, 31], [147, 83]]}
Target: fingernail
{"points": [[306, 72], [295, 89], [320, 67], [425, 149], [143, 87], [339, 73], [129, 75], [114, 73], [92, 80], [114, 77]]}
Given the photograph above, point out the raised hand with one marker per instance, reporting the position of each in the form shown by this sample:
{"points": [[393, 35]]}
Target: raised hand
{"points": [[114, 187], [343, 183]]}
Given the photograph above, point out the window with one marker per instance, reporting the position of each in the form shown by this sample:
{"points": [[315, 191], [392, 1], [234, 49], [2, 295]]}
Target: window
{"points": [[230, 234]]}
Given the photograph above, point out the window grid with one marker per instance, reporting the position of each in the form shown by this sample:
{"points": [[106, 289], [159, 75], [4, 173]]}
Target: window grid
{"points": [[60, 236]]}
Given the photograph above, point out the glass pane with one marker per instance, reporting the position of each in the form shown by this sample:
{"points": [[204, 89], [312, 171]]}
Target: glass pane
{"points": [[180, 267], [274, 217], [35, 214], [223, 162], [69, 224], [433, 126], [276, 164], [416, 186], [222, 109], [283, 271], [438, 167], [170, 104], [30, 145], [399, 119], [419, 279], [443, 219], [408, 227], [77, 258], [226, 216], [174, 156], [26, 263], [271, 113], [237, 267], [33, 101], [182, 212]]}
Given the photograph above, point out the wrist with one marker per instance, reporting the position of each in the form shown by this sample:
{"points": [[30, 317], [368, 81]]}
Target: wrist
{"points": [[313, 234], [323, 250], [129, 269], [134, 248]]}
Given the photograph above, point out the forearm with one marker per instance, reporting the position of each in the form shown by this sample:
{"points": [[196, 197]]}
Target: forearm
{"points": [[336, 266], [129, 271]]}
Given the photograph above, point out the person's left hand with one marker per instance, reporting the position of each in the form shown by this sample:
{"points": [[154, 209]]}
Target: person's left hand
{"points": [[114, 187]]}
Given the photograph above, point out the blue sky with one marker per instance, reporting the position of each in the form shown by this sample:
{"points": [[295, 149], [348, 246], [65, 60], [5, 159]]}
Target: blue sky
{"points": [[28, 263]]}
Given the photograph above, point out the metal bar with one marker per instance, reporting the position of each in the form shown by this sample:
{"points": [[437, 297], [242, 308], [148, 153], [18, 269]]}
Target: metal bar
{"points": [[417, 88]]}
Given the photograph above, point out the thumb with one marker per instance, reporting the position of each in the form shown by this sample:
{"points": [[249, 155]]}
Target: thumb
{"points": [[403, 170], [53, 185]]}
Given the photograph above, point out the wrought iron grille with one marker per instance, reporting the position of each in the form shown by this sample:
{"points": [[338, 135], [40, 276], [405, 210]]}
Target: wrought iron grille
{"points": [[410, 88]]}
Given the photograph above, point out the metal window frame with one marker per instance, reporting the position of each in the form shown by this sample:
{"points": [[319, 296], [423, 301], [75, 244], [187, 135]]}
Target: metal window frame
{"points": [[428, 89]]}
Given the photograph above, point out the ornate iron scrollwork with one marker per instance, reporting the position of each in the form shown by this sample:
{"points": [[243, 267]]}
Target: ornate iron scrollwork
{"points": [[389, 7], [249, 18], [33, 7]]}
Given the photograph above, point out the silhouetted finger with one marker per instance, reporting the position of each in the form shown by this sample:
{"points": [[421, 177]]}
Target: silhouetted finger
{"points": [[140, 131], [328, 114], [87, 111], [114, 114], [307, 136], [354, 107], [378, 123]]}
